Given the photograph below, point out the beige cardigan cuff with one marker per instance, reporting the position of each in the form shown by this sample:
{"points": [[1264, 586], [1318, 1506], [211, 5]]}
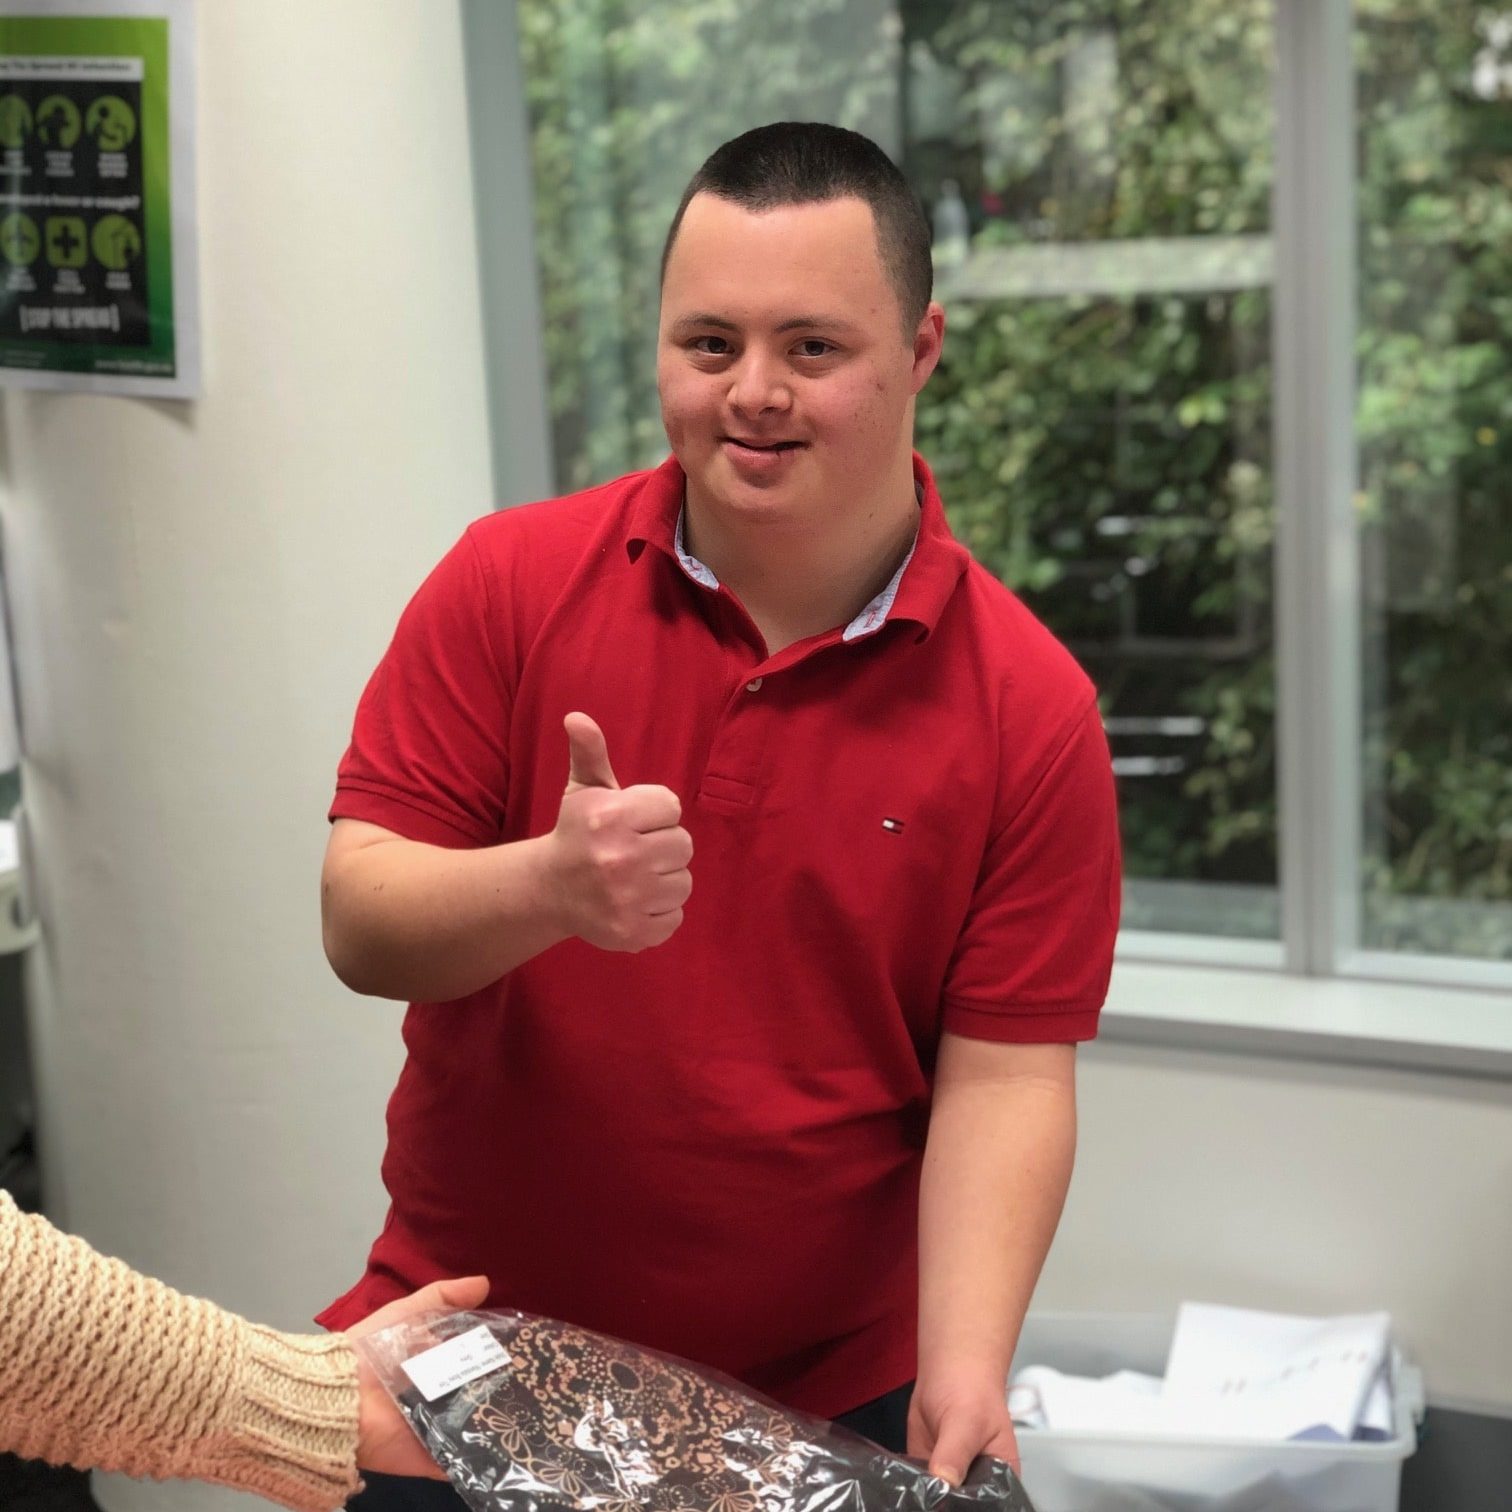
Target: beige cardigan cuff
{"points": [[103, 1368]]}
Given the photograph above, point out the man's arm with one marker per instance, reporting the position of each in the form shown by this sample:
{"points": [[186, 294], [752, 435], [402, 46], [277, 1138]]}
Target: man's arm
{"points": [[425, 923], [1002, 1137]]}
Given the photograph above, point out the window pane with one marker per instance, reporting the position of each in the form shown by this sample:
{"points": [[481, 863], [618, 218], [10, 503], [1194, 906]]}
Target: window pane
{"points": [[1100, 425], [1435, 430]]}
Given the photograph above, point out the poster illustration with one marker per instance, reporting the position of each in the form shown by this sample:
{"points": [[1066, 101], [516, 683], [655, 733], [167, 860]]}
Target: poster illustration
{"points": [[98, 285]]}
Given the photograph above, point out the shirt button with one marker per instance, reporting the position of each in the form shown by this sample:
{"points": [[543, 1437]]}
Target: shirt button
{"points": [[754, 686]]}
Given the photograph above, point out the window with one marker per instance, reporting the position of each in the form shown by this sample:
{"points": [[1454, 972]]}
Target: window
{"points": [[1101, 421], [1227, 285], [1435, 475]]}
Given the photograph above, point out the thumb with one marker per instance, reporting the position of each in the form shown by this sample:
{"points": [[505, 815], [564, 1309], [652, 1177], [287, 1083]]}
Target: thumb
{"points": [[469, 1291], [955, 1447], [587, 755], [464, 1292]]}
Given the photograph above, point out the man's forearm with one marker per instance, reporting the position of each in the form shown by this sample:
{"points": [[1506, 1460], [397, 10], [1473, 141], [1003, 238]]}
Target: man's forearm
{"points": [[1002, 1138], [423, 923]]}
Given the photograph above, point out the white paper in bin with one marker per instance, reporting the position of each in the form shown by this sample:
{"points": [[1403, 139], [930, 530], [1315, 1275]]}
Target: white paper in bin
{"points": [[1112, 1472]]}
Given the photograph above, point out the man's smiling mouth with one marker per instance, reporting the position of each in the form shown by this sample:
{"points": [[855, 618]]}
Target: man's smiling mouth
{"points": [[762, 446]]}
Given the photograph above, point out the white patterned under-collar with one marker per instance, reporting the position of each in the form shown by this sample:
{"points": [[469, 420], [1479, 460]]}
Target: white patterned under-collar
{"points": [[868, 622]]}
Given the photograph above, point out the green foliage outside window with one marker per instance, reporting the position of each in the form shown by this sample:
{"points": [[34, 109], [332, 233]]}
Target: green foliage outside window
{"points": [[1106, 451], [1435, 432]]}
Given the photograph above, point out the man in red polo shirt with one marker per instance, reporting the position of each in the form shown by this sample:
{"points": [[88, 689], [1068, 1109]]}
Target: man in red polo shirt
{"points": [[748, 856]]}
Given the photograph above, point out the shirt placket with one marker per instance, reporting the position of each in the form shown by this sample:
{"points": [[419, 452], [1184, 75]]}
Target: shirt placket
{"points": [[736, 766], [735, 772]]}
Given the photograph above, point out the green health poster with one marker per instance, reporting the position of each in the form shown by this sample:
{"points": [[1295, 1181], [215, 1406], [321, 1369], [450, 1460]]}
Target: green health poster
{"points": [[97, 244]]}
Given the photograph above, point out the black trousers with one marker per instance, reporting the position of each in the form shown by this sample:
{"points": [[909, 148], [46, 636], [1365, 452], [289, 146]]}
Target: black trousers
{"points": [[884, 1422]]}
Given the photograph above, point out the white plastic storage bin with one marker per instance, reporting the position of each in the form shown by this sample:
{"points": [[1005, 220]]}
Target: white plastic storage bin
{"points": [[1112, 1472]]}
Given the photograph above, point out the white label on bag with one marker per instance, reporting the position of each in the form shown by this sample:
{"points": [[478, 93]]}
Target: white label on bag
{"points": [[456, 1362]]}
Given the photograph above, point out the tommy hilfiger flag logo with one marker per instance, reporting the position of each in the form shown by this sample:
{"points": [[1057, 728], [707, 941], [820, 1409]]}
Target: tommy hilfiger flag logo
{"points": [[893, 826]]}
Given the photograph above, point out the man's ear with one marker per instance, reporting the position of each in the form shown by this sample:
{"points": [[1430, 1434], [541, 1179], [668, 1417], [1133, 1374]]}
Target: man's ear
{"points": [[928, 341]]}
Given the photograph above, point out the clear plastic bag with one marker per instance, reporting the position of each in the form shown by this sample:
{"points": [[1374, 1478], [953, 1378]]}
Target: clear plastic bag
{"points": [[526, 1414]]}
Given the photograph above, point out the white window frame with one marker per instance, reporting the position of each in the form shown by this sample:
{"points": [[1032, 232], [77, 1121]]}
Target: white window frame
{"points": [[1316, 992], [1317, 552]]}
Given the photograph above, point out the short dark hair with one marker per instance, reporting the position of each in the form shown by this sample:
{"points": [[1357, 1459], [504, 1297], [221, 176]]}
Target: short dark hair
{"points": [[810, 163]]}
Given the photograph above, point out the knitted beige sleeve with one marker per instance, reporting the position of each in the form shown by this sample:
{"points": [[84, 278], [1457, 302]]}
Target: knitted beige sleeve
{"points": [[105, 1369]]}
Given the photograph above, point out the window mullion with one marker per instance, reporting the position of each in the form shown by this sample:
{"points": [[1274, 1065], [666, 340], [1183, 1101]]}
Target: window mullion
{"points": [[1317, 560], [519, 425]]}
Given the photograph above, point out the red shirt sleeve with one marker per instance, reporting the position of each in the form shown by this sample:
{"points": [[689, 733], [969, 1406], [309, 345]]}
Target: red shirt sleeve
{"points": [[429, 754], [1033, 960]]}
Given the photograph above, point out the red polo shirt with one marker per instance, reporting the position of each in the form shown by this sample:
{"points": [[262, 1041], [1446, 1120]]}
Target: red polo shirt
{"points": [[713, 1147]]}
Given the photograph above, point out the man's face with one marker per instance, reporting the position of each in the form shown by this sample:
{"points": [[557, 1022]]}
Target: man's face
{"points": [[786, 377]]}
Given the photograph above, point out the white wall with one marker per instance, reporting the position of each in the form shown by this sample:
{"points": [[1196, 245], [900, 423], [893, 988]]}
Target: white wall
{"points": [[1302, 1188], [200, 591]]}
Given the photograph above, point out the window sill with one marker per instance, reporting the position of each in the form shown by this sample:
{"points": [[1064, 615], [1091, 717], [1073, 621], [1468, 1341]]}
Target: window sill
{"points": [[1257, 1012]]}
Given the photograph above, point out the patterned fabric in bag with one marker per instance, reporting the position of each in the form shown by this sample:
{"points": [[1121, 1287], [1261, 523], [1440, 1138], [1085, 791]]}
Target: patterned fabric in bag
{"points": [[529, 1415]]}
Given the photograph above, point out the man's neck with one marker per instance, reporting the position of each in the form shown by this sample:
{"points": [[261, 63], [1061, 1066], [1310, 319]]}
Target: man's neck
{"points": [[798, 583]]}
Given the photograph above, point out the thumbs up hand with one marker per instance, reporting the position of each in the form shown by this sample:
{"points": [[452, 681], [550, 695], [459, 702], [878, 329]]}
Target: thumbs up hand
{"points": [[620, 855]]}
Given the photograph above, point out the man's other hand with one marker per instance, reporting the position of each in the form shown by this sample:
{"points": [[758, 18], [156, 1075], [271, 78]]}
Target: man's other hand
{"points": [[950, 1422], [620, 856]]}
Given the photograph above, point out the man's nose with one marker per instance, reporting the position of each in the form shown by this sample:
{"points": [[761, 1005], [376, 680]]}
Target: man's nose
{"points": [[759, 384]]}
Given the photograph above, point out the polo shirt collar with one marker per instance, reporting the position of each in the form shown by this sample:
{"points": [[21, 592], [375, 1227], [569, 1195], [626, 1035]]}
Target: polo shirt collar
{"points": [[918, 591]]}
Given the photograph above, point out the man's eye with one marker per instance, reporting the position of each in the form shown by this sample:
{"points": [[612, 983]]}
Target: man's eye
{"points": [[711, 346], [814, 347]]}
